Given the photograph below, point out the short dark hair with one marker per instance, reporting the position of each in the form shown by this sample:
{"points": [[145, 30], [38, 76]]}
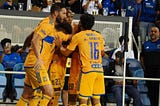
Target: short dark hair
{"points": [[57, 7], [64, 26], [119, 54], [122, 38], [87, 21], [4, 41]]}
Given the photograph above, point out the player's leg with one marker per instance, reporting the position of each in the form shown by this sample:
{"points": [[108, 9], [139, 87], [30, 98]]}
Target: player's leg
{"points": [[98, 90], [83, 101], [57, 73], [65, 89], [74, 79], [89, 102], [96, 101], [37, 95], [25, 97], [47, 94], [41, 80], [86, 83], [54, 100], [27, 93], [73, 91]]}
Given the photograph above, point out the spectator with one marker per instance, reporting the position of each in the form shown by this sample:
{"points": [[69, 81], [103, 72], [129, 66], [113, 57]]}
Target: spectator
{"points": [[150, 60], [130, 88], [157, 21], [133, 8], [92, 6], [75, 6], [110, 7], [9, 59], [9, 5], [91, 72], [23, 3], [122, 40], [147, 18], [48, 5], [37, 5]]}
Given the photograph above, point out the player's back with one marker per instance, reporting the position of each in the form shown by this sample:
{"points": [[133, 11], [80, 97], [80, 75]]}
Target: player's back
{"points": [[90, 44]]}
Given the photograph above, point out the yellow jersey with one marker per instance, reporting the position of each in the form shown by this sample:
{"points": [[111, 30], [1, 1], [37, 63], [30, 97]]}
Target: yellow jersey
{"points": [[90, 44], [48, 33]]}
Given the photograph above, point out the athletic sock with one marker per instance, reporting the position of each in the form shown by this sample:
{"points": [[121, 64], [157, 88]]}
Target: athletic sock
{"points": [[22, 102]]}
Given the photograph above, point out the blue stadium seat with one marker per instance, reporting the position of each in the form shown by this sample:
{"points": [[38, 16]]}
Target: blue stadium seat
{"points": [[3, 81], [19, 84], [23, 56], [2, 85], [19, 79], [19, 67], [137, 71], [134, 64], [1, 69]]}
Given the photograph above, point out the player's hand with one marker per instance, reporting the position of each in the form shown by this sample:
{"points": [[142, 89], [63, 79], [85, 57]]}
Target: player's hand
{"points": [[38, 65], [21, 50]]}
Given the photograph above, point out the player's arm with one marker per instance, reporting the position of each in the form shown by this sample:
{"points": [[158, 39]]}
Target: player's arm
{"points": [[104, 54], [65, 51], [36, 48], [2, 56], [27, 43], [71, 47], [102, 49]]}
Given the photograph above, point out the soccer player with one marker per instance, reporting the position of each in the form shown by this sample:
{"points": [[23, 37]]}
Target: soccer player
{"points": [[91, 48], [39, 58], [57, 68]]}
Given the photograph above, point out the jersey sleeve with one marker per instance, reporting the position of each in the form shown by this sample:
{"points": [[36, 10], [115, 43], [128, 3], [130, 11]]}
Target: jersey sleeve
{"points": [[73, 43], [62, 36], [43, 30]]}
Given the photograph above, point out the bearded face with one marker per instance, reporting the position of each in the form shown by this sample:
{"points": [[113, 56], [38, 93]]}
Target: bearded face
{"points": [[153, 37], [61, 16], [59, 20], [154, 34]]}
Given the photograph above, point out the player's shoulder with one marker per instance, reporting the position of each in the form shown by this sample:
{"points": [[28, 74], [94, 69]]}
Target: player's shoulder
{"points": [[46, 22], [97, 33]]}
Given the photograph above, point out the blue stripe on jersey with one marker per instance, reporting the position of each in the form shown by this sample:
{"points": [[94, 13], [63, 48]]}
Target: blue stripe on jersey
{"points": [[98, 94], [49, 39], [84, 96]]}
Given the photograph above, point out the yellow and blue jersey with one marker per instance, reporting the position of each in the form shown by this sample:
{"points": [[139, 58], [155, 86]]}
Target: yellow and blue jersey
{"points": [[90, 44], [47, 31]]}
